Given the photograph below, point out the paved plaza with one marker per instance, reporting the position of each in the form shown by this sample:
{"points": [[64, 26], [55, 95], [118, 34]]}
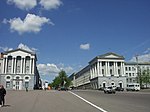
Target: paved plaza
{"points": [[64, 101]]}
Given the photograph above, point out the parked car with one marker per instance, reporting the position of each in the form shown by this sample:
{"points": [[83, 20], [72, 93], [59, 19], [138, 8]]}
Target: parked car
{"points": [[133, 87], [62, 89], [109, 89], [119, 89]]}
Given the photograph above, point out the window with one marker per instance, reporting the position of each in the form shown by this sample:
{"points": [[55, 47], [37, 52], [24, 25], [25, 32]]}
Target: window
{"points": [[111, 72], [119, 64], [8, 77], [126, 68], [110, 63], [26, 78], [129, 68], [130, 74], [112, 84], [26, 84], [119, 71], [8, 84], [103, 71], [103, 63]]}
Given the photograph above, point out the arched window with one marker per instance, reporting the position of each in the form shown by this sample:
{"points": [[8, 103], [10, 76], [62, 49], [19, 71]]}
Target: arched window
{"points": [[8, 77]]}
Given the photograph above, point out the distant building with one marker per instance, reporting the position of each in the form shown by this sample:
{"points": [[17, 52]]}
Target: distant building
{"points": [[109, 69], [132, 72], [18, 70]]}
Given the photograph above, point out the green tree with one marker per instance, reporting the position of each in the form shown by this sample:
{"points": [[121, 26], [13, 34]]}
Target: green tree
{"points": [[145, 77], [61, 80]]}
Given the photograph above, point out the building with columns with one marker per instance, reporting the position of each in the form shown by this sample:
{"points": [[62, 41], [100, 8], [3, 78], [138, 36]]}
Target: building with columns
{"points": [[18, 70], [109, 69], [103, 70], [106, 70]]}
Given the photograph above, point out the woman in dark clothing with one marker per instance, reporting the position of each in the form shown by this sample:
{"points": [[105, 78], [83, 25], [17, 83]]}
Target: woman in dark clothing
{"points": [[2, 95]]}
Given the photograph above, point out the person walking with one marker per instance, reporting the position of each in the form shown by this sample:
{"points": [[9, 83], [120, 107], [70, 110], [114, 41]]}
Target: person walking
{"points": [[2, 95]]}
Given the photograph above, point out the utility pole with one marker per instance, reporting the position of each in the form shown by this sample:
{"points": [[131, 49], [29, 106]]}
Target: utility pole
{"points": [[138, 71]]}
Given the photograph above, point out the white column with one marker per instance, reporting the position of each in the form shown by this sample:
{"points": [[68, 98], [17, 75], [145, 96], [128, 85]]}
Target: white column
{"points": [[108, 68], [6, 65], [90, 72], [121, 69], [106, 64], [114, 72], [100, 64], [30, 70], [95, 70], [3, 70], [98, 69], [24, 65], [21, 66], [33, 65], [116, 69], [15, 65], [12, 66]]}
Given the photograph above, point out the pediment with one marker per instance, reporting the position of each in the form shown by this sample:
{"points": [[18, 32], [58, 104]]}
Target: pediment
{"points": [[19, 52], [112, 56]]}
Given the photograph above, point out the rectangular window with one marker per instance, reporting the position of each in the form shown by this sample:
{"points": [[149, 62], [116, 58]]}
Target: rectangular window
{"points": [[26, 84], [8, 84]]}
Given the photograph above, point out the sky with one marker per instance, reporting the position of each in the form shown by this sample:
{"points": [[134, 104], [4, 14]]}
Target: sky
{"points": [[67, 34]]}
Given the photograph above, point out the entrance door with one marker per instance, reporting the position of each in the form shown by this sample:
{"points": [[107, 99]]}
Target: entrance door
{"points": [[17, 85], [120, 84]]}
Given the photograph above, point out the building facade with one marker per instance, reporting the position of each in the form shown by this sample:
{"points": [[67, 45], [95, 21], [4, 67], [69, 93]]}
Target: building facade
{"points": [[109, 69], [18, 70], [133, 69]]}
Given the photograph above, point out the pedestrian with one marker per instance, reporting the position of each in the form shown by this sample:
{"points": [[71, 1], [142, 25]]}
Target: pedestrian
{"points": [[2, 95]]}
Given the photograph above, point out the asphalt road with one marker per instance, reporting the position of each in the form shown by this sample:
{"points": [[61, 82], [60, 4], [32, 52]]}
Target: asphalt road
{"points": [[61, 101]]}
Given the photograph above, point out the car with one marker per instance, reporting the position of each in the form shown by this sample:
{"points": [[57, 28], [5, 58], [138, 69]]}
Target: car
{"points": [[133, 87], [109, 89], [62, 89], [119, 89]]}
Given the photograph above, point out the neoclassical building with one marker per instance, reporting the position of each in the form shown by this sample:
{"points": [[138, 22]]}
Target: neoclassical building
{"points": [[109, 69], [18, 70]]}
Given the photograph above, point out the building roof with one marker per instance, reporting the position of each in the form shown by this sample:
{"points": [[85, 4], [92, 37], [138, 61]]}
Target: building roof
{"points": [[109, 55], [19, 50]]}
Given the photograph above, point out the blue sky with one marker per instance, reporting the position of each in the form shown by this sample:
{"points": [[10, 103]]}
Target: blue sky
{"points": [[67, 34]]}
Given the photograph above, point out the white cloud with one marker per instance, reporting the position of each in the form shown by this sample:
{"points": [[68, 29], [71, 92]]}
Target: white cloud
{"points": [[85, 46], [6, 48], [23, 4], [53, 69], [25, 47], [142, 58], [31, 23], [21, 46], [147, 51], [50, 4], [145, 57]]}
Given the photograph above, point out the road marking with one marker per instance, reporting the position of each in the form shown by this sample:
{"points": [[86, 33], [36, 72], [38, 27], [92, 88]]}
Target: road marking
{"points": [[97, 107]]}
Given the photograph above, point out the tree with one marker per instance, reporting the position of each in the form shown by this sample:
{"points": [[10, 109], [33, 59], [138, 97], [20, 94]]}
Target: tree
{"points": [[61, 80], [145, 77]]}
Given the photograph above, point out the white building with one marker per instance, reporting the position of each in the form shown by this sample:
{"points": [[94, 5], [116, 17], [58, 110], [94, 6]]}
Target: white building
{"points": [[132, 72], [109, 69], [18, 70]]}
